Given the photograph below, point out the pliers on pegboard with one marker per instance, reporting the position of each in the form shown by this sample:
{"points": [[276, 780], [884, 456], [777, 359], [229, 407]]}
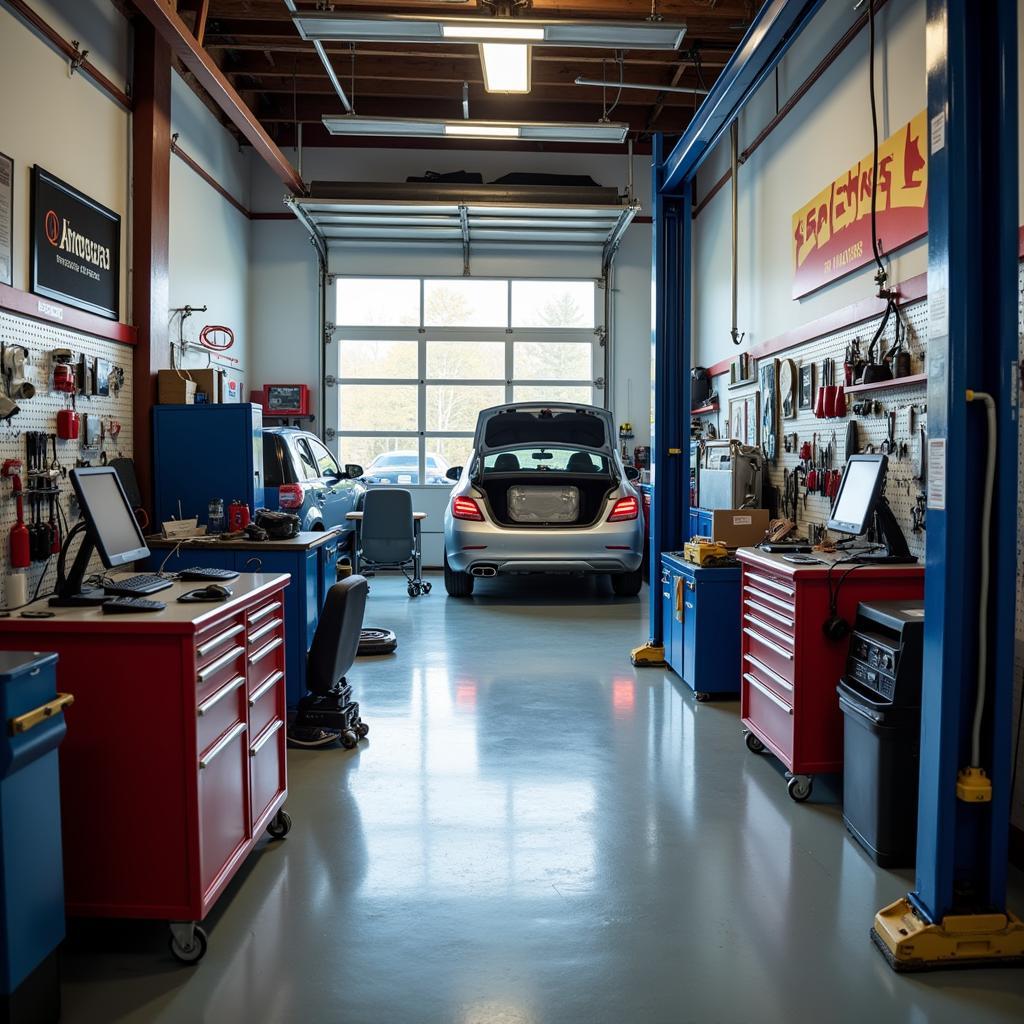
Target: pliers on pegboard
{"points": [[888, 446]]}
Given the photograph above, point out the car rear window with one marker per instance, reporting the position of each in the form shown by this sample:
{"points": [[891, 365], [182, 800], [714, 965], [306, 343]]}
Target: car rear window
{"points": [[540, 459], [276, 466], [541, 426]]}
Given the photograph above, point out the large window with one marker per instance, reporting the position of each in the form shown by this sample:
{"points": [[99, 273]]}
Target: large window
{"points": [[418, 358]]}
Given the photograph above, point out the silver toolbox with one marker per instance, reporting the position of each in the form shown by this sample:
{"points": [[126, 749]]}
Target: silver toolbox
{"points": [[730, 475], [543, 504]]}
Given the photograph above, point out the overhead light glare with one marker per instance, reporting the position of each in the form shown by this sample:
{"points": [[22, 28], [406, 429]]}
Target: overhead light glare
{"points": [[409, 127], [478, 31], [506, 67]]}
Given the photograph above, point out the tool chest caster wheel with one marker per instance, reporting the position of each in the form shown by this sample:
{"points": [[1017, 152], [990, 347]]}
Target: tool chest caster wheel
{"points": [[701, 697], [187, 942], [280, 824], [413, 590], [799, 787], [426, 588], [349, 739], [754, 745], [362, 730]]}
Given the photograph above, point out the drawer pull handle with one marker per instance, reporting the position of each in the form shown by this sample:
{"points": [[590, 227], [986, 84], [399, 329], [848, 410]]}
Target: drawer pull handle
{"points": [[267, 733], [215, 666], [666, 576], [778, 602], [764, 640], [784, 683], [260, 633], [265, 650], [221, 745], [262, 613], [211, 645], [211, 702], [761, 688], [762, 610], [786, 638], [764, 581], [22, 723], [268, 685]]}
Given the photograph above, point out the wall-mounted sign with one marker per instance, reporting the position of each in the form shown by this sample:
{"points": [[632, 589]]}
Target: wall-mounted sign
{"points": [[76, 247], [832, 232], [6, 220]]}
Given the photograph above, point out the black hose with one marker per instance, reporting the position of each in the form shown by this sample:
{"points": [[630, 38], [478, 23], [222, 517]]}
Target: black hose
{"points": [[874, 136]]}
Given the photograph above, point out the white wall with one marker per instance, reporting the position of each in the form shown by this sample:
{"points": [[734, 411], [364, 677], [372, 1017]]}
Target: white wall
{"points": [[829, 129], [65, 124], [210, 240]]}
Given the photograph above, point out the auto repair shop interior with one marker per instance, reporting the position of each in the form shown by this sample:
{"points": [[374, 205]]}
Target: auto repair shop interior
{"points": [[511, 511]]}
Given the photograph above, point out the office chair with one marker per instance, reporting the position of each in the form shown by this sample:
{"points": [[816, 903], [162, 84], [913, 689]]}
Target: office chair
{"points": [[328, 702], [388, 537]]}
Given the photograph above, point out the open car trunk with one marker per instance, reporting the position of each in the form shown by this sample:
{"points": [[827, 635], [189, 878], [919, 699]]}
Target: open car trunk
{"points": [[554, 500]]}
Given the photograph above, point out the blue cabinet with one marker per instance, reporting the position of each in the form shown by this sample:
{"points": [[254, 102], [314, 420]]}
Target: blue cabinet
{"points": [[31, 861], [700, 523], [701, 618], [311, 559], [206, 451]]}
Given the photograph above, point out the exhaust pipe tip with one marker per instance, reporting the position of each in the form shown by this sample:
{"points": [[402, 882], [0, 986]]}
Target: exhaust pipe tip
{"points": [[483, 570]]}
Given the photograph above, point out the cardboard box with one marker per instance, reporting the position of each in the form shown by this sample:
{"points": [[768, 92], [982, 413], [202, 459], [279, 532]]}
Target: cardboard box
{"points": [[175, 389], [739, 527], [210, 382]]}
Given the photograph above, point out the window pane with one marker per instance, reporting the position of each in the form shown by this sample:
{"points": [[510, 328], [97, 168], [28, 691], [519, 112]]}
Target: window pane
{"points": [[384, 301], [384, 460], [537, 393], [306, 464], [541, 360], [443, 453], [466, 360], [377, 407], [381, 359], [455, 406], [542, 459], [459, 303], [552, 303], [325, 462]]}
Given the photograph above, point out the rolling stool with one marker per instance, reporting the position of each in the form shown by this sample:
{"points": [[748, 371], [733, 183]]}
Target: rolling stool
{"points": [[328, 703]]}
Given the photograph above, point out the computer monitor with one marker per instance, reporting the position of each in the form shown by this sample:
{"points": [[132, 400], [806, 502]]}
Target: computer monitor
{"points": [[109, 526], [858, 494], [860, 504]]}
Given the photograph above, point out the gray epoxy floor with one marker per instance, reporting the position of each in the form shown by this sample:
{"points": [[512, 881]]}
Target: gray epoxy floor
{"points": [[536, 832]]}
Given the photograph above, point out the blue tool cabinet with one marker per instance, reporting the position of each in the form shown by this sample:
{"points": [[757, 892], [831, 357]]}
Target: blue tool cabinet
{"points": [[311, 559], [701, 520], [701, 623], [206, 451], [31, 862]]}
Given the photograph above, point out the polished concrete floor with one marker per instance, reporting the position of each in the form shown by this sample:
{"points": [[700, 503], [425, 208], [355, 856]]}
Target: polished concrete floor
{"points": [[536, 833]]}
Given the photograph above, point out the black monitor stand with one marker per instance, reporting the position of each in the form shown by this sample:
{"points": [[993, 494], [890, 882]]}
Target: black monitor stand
{"points": [[70, 592], [892, 538]]}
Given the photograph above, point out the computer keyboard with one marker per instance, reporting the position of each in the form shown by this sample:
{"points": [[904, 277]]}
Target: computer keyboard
{"points": [[129, 605], [132, 586], [199, 574]]}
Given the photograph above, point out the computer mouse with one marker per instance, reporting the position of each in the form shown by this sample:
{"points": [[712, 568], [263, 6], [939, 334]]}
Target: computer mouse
{"points": [[214, 592]]}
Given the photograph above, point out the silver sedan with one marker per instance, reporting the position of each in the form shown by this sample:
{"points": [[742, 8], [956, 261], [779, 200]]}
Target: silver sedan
{"points": [[544, 491]]}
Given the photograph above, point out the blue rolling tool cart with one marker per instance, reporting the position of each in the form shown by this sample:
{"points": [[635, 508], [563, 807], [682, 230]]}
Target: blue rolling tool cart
{"points": [[206, 451], [31, 862], [701, 625]]}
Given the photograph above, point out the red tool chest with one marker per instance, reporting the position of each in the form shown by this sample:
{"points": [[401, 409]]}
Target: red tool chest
{"points": [[174, 763], [789, 668]]}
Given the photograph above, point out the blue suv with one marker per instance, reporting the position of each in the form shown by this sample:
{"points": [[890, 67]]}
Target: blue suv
{"points": [[302, 476]]}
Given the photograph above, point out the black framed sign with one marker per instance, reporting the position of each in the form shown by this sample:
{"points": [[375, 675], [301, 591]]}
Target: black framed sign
{"points": [[6, 219], [76, 247]]}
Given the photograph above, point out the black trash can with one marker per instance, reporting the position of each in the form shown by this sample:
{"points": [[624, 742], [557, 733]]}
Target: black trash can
{"points": [[881, 756]]}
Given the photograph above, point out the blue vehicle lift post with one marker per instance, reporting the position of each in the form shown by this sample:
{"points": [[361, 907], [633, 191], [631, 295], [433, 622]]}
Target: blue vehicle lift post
{"points": [[957, 914]]}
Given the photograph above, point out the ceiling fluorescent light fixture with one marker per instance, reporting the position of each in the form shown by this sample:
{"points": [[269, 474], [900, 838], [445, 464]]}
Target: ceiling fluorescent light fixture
{"points": [[506, 67], [529, 131], [339, 26]]}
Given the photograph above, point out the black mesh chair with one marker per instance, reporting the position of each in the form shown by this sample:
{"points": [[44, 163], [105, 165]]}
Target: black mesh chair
{"points": [[389, 537], [328, 703]]}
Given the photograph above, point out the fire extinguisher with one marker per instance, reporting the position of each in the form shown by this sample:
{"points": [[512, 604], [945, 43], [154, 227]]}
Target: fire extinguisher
{"points": [[20, 558]]}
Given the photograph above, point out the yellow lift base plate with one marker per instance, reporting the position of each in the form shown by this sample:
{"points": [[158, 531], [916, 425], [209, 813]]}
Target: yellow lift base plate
{"points": [[647, 656], [967, 940]]}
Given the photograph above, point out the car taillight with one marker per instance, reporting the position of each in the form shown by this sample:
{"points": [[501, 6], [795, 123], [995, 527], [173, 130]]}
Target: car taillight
{"points": [[290, 496], [623, 509], [466, 508]]}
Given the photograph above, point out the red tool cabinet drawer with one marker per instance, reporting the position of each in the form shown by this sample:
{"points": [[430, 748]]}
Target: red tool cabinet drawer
{"points": [[227, 665], [224, 708], [266, 767], [258, 616], [779, 685], [768, 648], [769, 715], [266, 702], [214, 640], [266, 656], [781, 589], [223, 817]]}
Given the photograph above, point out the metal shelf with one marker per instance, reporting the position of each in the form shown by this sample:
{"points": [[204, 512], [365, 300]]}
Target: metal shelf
{"points": [[705, 409], [897, 382]]}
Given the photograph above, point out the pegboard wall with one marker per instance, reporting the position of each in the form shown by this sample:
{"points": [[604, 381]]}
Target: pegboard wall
{"points": [[39, 413], [908, 402]]}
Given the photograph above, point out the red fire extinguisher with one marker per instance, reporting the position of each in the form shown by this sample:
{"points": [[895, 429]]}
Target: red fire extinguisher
{"points": [[20, 558], [238, 515]]}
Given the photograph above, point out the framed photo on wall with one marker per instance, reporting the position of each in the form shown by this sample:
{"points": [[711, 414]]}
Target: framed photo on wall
{"points": [[6, 219], [752, 419], [805, 393], [738, 419]]}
